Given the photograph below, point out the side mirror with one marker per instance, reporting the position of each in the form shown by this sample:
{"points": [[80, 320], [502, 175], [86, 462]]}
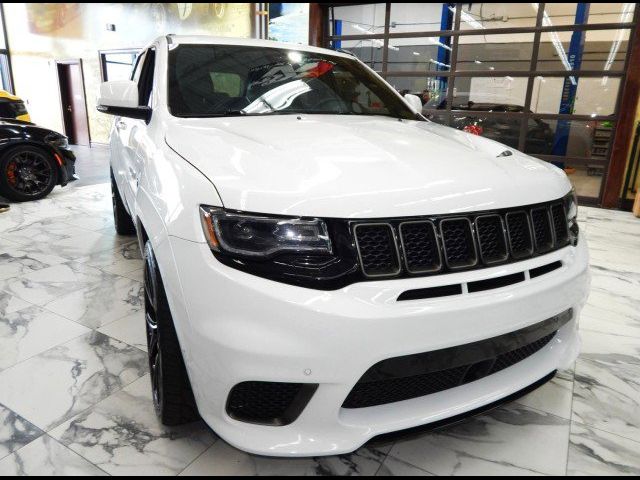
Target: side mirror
{"points": [[121, 98], [414, 102]]}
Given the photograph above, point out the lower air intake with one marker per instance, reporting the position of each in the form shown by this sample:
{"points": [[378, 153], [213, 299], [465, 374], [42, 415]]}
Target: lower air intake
{"points": [[269, 403]]}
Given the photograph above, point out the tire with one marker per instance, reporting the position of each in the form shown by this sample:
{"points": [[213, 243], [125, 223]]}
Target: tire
{"points": [[121, 219], [27, 173], [170, 386]]}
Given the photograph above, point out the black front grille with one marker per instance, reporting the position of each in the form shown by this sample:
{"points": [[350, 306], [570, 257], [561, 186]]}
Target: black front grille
{"points": [[269, 403], [450, 243], [414, 376], [378, 250]]}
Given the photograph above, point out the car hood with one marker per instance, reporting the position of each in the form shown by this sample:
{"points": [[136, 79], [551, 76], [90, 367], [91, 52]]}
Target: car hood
{"points": [[358, 167]]}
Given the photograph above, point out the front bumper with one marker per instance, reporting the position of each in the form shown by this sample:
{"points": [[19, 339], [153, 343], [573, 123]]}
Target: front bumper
{"points": [[235, 327], [68, 166]]}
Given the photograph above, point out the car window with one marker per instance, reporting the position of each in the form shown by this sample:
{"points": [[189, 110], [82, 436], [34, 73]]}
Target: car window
{"points": [[210, 80]]}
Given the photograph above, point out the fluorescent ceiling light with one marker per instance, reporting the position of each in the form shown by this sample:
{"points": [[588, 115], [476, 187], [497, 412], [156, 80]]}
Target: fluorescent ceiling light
{"points": [[466, 18], [440, 64], [615, 45], [375, 41], [557, 44]]}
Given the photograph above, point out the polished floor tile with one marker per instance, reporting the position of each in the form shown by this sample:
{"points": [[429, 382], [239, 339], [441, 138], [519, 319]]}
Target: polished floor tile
{"points": [[123, 436], [130, 329], [47, 457], [55, 385], [15, 432], [33, 330]]}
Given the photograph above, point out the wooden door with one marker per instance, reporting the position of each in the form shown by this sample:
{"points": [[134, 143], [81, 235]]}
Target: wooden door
{"points": [[72, 99]]}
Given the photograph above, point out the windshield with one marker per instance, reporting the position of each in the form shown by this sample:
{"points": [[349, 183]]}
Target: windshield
{"points": [[220, 80]]}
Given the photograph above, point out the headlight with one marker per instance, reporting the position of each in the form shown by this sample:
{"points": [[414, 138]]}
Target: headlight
{"points": [[571, 208], [58, 142], [262, 236]]}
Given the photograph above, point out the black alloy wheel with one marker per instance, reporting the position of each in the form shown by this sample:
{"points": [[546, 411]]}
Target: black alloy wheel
{"points": [[170, 386], [27, 173]]}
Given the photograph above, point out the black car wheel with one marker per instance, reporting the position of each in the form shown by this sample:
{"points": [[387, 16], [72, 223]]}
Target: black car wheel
{"points": [[121, 219], [170, 386], [27, 173]]}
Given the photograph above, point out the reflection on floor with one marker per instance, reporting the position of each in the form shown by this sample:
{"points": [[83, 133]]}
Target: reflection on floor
{"points": [[74, 387]]}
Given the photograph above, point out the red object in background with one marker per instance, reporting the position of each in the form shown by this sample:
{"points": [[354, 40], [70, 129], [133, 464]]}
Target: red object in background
{"points": [[473, 129], [320, 69]]}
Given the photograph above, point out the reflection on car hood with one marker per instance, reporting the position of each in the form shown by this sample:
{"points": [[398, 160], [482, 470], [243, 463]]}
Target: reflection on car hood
{"points": [[358, 166]]}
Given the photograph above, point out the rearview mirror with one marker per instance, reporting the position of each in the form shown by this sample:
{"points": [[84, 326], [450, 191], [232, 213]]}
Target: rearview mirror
{"points": [[121, 98], [414, 102]]}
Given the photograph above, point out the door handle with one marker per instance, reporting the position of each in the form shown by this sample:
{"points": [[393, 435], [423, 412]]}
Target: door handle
{"points": [[120, 125]]}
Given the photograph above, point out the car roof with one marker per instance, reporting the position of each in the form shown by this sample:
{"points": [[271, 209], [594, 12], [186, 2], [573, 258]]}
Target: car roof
{"points": [[250, 42]]}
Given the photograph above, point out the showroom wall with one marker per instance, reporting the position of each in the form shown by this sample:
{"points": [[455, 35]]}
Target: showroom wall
{"points": [[40, 34]]}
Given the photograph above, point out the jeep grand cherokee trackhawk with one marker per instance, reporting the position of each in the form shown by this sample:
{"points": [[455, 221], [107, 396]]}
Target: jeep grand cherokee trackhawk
{"points": [[322, 263]]}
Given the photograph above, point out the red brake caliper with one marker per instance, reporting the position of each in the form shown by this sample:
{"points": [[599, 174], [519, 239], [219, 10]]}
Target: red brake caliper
{"points": [[11, 174]]}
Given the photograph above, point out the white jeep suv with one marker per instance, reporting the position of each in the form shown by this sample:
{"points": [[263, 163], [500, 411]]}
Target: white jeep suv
{"points": [[324, 265]]}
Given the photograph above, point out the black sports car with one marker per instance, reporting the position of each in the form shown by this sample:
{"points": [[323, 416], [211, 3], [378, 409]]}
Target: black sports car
{"points": [[539, 138], [33, 160]]}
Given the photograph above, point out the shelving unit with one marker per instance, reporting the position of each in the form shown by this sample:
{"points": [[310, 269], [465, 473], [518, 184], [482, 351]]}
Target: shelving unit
{"points": [[599, 148]]}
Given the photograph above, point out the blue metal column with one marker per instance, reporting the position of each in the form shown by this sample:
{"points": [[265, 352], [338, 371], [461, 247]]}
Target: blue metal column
{"points": [[576, 48], [337, 30], [444, 55]]}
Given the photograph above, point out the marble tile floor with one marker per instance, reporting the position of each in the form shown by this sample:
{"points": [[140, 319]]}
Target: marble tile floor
{"points": [[74, 384]]}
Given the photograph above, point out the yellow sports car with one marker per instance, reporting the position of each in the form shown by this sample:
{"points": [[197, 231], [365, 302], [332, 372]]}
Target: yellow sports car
{"points": [[13, 107]]}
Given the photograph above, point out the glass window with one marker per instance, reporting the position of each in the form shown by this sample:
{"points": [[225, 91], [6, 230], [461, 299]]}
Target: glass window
{"points": [[420, 17], [504, 93], [574, 138], [565, 13], [505, 130], [431, 90], [275, 81], [430, 54], [117, 65], [495, 52], [586, 179], [369, 51], [603, 50], [593, 96], [478, 16], [359, 19]]}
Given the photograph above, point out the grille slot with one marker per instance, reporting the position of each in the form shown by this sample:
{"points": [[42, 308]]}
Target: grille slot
{"points": [[377, 248], [519, 232], [420, 247], [269, 403], [491, 238], [542, 233], [559, 224], [459, 246]]}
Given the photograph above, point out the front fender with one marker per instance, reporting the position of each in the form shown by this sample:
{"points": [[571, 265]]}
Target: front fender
{"points": [[170, 193]]}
